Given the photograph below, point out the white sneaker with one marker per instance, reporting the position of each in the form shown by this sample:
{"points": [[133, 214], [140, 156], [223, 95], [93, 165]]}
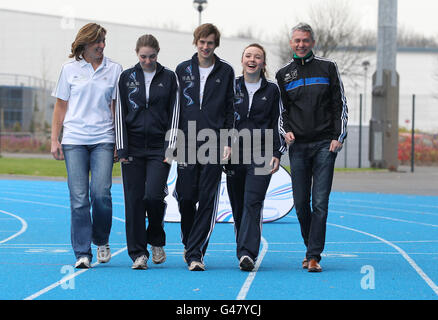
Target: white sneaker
{"points": [[246, 263], [158, 255], [140, 263], [196, 266], [83, 263], [103, 253]]}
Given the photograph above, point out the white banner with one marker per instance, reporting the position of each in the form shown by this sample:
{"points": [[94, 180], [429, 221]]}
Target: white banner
{"points": [[278, 202]]}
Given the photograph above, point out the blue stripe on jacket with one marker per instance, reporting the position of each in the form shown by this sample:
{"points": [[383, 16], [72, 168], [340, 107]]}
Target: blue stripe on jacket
{"points": [[308, 81]]}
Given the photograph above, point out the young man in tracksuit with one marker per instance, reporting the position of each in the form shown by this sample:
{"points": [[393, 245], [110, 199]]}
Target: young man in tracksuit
{"points": [[315, 123], [207, 93], [148, 108]]}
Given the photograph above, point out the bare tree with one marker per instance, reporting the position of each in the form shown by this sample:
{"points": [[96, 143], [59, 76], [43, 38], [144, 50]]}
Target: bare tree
{"points": [[337, 33], [407, 37]]}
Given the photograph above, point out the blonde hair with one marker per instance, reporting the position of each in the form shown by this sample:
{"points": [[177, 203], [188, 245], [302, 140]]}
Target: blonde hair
{"points": [[90, 33]]}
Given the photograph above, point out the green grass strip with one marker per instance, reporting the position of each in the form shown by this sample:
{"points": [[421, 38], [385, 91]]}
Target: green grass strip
{"points": [[39, 167]]}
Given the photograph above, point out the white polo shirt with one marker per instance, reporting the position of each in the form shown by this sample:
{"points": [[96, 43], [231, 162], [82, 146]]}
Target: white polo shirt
{"points": [[89, 94]]}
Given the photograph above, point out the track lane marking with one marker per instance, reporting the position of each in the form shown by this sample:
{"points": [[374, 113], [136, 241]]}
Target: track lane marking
{"points": [[413, 264]]}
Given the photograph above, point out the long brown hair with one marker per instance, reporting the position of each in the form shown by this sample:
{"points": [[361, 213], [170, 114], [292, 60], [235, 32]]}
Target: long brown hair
{"points": [[147, 40], [259, 46], [90, 33]]}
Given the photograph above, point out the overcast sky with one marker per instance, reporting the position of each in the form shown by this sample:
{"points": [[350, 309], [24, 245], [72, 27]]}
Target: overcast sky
{"points": [[264, 17]]}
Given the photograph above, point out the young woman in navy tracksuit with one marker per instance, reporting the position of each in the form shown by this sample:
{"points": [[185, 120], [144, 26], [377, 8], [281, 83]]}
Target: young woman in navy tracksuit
{"points": [[257, 106], [147, 108]]}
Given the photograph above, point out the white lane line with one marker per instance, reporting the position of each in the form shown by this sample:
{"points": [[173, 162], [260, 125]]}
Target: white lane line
{"points": [[22, 230], [416, 205], [384, 218], [417, 269], [245, 288], [388, 209], [36, 202], [77, 273], [67, 278]]}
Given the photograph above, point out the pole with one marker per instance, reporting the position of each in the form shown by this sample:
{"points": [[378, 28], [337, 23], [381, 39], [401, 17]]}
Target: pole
{"points": [[413, 135], [1, 129], [360, 130], [345, 154]]}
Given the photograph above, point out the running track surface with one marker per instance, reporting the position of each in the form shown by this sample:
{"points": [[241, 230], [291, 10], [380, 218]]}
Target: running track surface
{"points": [[378, 247]]}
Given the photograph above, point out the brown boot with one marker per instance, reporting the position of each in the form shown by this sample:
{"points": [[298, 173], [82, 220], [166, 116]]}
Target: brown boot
{"points": [[314, 266]]}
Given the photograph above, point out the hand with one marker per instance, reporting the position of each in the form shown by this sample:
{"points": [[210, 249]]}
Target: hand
{"points": [[56, 150], [116, 156], [227, 153], [335, 146], [168, 161], [123, 160], [275, 164], [289, 137]]}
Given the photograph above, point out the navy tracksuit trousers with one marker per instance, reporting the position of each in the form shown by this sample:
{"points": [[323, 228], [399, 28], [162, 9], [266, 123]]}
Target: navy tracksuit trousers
{"points": [[247, 192], [145, 187], [197, 184]]}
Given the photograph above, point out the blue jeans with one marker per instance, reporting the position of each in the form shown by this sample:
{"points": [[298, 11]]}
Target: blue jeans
{"points": [[80, 161], [312, 167]]}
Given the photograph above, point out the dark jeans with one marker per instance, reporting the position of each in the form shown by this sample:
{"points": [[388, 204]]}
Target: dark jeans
{"points": [[312, 166]]}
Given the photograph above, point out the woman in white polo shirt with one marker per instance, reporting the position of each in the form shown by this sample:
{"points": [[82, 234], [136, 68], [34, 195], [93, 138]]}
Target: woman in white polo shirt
{"points": [[84, 109]]}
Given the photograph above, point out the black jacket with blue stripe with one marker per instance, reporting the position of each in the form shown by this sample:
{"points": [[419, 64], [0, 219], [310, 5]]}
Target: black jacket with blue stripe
{"points": [[217, 109], [265, 112], [141, 125], [315, 107]]}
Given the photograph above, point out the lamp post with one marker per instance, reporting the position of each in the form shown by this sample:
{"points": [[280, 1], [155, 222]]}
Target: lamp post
{"points": [[200, 5], [365, 66]]}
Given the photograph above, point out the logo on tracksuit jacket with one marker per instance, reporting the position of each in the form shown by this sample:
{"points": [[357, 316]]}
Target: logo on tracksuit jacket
{"points": [[132, 85], [189, 81]]}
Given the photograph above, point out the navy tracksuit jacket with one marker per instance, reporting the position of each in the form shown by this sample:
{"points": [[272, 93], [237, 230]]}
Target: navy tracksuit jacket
{"points": [[141, 128], [246, 188], [199, 183]]}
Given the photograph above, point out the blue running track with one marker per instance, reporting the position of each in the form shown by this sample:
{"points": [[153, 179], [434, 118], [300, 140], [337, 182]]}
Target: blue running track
{"points": [[378, 247]]}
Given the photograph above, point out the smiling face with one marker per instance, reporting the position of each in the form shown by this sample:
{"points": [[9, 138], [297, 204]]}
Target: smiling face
{"points": [[253, 61], [147, 57], [301, 43], [94, 51], [205, 47]]}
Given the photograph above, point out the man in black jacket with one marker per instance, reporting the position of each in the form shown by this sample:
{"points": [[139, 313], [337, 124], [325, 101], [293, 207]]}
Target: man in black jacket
{"points": [[315, 123], [206, 100]]}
